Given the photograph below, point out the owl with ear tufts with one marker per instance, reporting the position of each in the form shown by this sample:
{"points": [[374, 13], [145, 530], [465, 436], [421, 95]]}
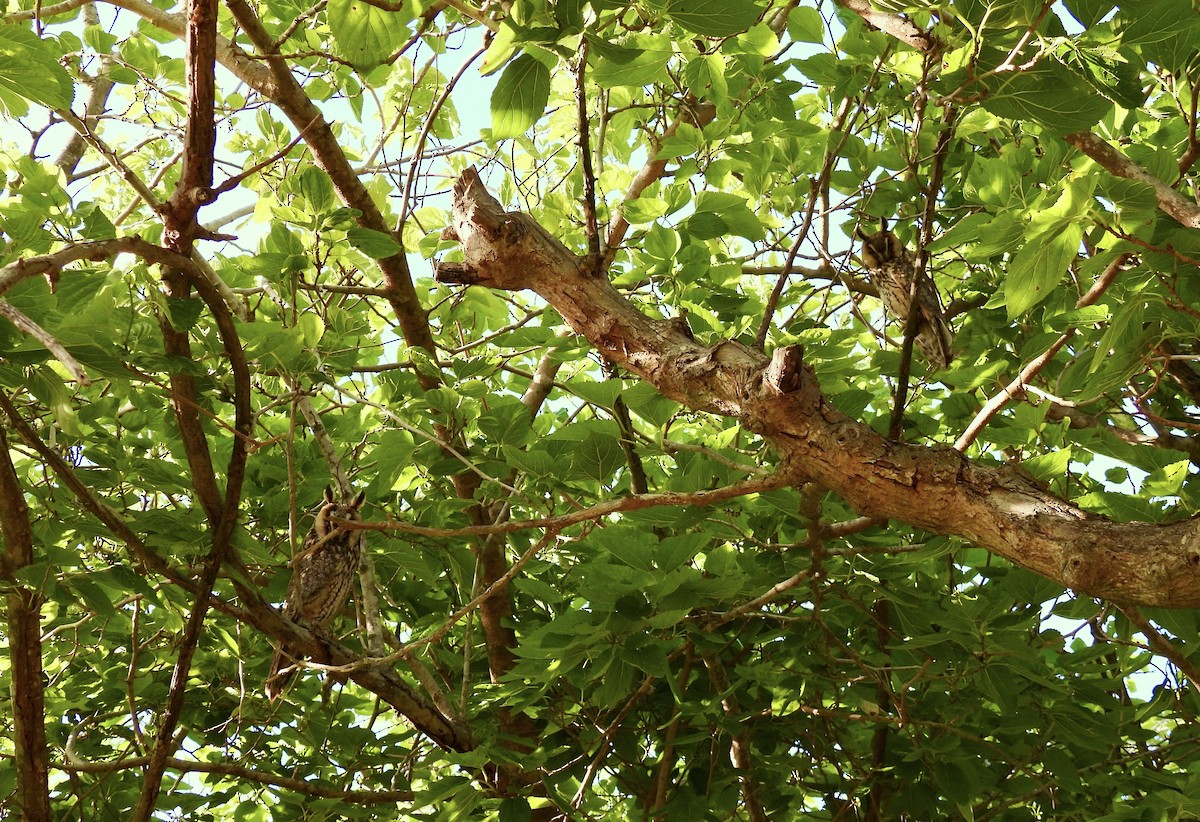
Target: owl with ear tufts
{"points": [[892, 270], [323, 572]]}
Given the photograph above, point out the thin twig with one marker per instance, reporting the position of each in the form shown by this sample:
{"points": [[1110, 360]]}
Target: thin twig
{"points": [[14, 316], [1163, 646], [1017, 386]]}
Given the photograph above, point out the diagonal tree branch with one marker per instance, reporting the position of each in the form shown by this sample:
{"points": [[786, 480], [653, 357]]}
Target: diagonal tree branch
{"points": [[937, 489], [903, 29], [1113, 161], [277, 83]]}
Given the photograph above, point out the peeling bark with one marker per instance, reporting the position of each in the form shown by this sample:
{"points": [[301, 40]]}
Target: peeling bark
{"points": [[934, 488]]}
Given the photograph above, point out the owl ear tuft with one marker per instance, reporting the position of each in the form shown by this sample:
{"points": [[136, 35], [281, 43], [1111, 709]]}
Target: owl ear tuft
{"points": [[328, 494], [359, 500]]}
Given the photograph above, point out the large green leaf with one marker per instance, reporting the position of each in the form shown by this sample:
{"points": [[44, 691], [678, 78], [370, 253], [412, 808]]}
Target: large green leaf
{"points": [[520, 96], [365, 34], [1037, 268], [1053, 240], [1049, 94], [637, 61], [1164, 31], [714, 18], [29, 70]]}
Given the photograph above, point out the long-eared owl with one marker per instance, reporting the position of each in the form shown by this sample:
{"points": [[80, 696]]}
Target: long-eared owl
{"points": [[323, 573], [892, 270]]}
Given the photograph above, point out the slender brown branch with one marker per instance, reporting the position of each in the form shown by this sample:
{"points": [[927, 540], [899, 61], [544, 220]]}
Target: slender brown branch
{"points": [[638, 483], [590, 225], [51, 265], [694, 113], [88, 501], [606, 739], [1163, 646], [17, 318], [236, 180], [774, 592], [739, 743], [993, 405], [102, 85], [180, 230], [282, 88], [594, 512], [24, 638], [666, 763], [301, 786], [879, 787], [840, 126]]}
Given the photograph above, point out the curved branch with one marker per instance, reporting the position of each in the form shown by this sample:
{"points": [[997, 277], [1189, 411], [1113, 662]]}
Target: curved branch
{"points": [[937, 489]]}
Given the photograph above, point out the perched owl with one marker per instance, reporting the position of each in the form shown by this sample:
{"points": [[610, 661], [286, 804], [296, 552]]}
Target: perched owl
{"points": [[892, 269], [323, 572]]}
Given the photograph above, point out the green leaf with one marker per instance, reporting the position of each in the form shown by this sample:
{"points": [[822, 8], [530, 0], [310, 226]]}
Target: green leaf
{"points": [[1054, 239], [185, 312], [520, 97], [1167, 481], [719, 213], [1049, 94], [714, 18], [640, 60], [1039, 267], [366, 35], [806, 25], [373, 243], [1166, 32], [1117, 342], [705, 76], [598, 456], [506, 422], [315, 186], [1089, 12], [1109, 73], [96, 225], [514, 809], [29, 70], [632, 546]]}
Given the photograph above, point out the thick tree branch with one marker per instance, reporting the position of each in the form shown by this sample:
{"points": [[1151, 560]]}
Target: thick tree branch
{"points": [[937, 489], [1113, 161], [903, 29]]}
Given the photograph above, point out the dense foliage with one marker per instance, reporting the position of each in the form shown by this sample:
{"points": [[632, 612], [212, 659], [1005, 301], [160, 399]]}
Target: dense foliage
{"points": [[174, 399]]}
